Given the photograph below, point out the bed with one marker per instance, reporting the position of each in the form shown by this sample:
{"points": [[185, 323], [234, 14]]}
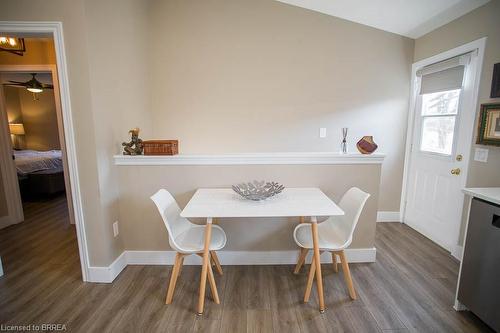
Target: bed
{"points": [[39, 172]]}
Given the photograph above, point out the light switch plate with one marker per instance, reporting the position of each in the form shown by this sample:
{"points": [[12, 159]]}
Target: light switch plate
{"points": [[115, 229], [481, 155], [322, 132]]}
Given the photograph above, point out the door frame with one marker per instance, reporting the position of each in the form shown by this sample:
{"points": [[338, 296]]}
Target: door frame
{"points": [[478, 45], [55, 30], [8, 171]]}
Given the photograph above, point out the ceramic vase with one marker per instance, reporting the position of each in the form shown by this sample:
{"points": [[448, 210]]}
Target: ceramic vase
{"points": [[366, 145]]}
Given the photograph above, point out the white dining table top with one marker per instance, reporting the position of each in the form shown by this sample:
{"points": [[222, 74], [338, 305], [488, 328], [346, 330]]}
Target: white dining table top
{"points": [[224, 202]]}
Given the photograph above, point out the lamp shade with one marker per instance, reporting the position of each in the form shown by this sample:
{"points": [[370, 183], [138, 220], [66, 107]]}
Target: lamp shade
{"points": [[16, 129]]}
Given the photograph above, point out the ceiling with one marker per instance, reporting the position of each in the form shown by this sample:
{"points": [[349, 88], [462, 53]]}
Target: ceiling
{"points": [[410, 18]]}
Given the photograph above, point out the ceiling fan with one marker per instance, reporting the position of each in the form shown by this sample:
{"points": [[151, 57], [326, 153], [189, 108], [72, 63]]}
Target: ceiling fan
{"points": [[32, 85]]}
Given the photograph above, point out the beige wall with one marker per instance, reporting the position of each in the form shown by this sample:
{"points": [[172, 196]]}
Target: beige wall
{"points": [[120, 87], [143, 228], [263, 76], [221, 76], [103, 248], [482, 22], [38, 116], [13, 105]]}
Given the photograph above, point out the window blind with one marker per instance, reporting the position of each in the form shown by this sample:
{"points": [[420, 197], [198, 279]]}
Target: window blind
{"points": [[444, 75]]}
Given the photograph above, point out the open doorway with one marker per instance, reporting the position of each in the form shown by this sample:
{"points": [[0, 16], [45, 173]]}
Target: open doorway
{"points": [[36, 188], [34, 132]]}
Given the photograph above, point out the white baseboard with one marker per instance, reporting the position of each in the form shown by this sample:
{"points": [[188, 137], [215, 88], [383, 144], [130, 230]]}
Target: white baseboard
{"points": [[108, 274], [457, 252], [388, 216], [459, 306]]}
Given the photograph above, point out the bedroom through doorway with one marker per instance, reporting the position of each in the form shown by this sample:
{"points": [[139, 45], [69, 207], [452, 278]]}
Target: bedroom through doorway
{"points": [[36, 216]]}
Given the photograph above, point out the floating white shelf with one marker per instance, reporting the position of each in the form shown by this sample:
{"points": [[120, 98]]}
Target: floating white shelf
{"points": [[299, 158]]}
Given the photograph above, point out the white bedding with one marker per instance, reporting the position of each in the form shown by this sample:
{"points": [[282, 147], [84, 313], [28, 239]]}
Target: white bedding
{"points": [[28, 161]]}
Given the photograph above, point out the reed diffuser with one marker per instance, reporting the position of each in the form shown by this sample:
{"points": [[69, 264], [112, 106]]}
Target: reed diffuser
{"points": [[343, 145]]}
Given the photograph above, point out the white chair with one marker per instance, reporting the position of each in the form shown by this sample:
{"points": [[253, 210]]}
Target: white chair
{"points": [[187, 238], [335, 234]]}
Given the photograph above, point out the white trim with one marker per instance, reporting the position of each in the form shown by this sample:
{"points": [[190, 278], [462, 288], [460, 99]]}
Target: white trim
{"points": [[478, 45], [457, 252], [56, 30], [459, 306], [253, 159], [108, 274], [388, 216]]}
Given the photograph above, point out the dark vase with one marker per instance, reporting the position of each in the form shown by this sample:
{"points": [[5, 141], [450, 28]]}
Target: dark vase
{"points": [[366, 145]]}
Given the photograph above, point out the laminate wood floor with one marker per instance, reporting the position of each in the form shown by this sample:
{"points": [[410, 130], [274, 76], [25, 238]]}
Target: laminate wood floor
{"points": [[409, 289]]}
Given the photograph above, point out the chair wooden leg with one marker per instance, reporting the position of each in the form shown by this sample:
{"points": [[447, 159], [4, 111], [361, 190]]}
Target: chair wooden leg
{"points": [[213, 286], [347, 275], [181, 265], [335, 264], [173, 277], [301, 260], [310, 280], [216, 262]]}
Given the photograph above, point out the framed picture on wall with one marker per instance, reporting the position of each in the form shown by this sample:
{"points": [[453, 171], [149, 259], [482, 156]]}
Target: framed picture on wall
{"points": [[495, 81], [489, 125]]}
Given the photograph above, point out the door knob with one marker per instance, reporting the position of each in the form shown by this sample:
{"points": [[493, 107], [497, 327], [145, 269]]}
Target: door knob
{"points": [[455, 172], [459, 157]]}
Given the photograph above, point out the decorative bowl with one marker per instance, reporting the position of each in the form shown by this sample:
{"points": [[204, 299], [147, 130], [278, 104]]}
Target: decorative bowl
{"points": [[258, 190]]}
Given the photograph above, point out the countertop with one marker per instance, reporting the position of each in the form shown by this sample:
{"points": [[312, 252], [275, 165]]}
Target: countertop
{"points": [[491, 194]]}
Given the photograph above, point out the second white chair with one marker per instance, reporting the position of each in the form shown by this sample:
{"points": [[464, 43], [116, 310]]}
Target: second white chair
{"points": [[187, 238], [335, 235]]}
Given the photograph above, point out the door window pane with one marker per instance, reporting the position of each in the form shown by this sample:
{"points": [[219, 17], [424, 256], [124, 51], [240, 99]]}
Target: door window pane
{"points": [[443, 102], [437, 134]]}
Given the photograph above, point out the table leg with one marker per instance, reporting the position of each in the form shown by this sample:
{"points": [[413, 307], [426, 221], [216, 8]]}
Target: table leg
{"points": [[317, 262], [204, 267], [302, 253]]}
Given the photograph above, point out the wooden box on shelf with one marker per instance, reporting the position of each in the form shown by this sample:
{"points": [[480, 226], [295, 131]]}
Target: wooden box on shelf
{"points": [[161, 147]]}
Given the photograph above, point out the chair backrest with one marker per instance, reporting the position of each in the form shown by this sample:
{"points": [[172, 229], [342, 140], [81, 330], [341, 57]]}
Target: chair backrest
{"points": [[352, 204], [170, 213]]}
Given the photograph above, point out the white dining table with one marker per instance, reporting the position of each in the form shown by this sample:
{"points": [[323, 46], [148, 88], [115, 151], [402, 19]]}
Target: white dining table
{"points": [[292, 202]]}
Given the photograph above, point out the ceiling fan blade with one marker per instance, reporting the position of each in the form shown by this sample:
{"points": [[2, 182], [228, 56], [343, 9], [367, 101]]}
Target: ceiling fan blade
{"points": [[17, 82], [47, 86], [14, 85]]}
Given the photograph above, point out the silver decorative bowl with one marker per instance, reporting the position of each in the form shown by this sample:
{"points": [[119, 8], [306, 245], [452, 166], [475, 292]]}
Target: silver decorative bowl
{"points": [[257, 191]]}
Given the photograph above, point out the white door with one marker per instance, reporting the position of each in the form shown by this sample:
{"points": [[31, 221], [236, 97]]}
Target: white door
{"points": [[440, 148]]}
